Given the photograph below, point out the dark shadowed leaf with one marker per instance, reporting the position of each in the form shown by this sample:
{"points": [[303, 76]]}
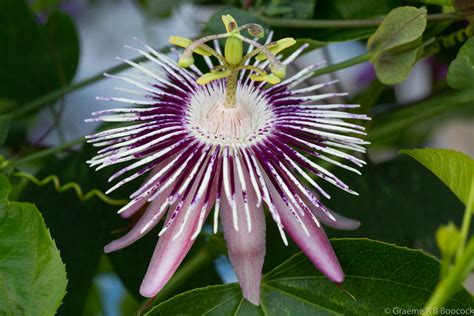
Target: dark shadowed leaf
{"points": [[4, 127], [299, 9], [32, 275], [347, 9], [34, 58], [381, 277], [399, 202]]}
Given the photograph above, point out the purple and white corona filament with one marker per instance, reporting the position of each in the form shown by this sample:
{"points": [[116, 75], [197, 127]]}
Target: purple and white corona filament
{"points": [[234, 140]]}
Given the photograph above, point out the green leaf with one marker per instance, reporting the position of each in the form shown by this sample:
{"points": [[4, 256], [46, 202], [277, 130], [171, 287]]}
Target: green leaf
{"points": [[461, 70], [454, 168], [394, 46], [32, 275], [81, 228], [401, 26], [380, 276], [447, 3], [4, 127], [297, 9], [349, 9], [40, 5], [393, 68], [34, 58]]}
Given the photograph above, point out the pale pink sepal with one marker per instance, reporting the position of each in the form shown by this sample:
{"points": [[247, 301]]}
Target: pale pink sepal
{"points": [[316, 246], [147, 222], [169, 253], [340, 222], [246, 249]]}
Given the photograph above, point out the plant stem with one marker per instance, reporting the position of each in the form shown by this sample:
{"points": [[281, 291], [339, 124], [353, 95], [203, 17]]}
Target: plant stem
{"points": [[345, 64], [52, 96], [323, 24], [47, 152], [466, 222], [464, 263], [448, 286]]}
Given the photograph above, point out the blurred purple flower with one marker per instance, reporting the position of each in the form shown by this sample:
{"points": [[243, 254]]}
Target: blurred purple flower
{"points": [[440, 70]]}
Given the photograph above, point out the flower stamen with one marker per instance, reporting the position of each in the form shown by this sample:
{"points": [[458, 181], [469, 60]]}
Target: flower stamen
{"points": [[233, 60]]}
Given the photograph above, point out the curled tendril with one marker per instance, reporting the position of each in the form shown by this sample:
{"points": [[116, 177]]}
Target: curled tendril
{"points": [[450, 40], [69, 186]]}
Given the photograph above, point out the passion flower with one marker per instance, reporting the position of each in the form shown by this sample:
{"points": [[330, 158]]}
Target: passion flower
{"points": [[236, 139]]}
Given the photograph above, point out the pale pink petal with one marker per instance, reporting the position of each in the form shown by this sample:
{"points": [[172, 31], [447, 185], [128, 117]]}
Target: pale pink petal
{"points": [[315, 245], [246, 249], [169, 253], [340, 222], [147, 222]]}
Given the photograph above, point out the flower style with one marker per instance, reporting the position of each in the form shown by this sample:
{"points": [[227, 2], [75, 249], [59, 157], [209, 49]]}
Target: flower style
{"points": [[234, 139]]}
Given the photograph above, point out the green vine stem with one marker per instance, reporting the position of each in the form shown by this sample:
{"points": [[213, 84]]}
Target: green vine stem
{"points": [[69, 186], [323, 24], [466, 223], [464, 263], [452, 282], [345, 64], [52, 96], [46, 152]]}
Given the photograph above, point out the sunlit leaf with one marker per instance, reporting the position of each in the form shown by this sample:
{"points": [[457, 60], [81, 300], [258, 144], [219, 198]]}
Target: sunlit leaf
{"points": [[454, 168], [32, 275]]}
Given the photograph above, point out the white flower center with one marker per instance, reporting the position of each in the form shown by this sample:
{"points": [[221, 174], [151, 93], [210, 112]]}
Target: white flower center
{"points": [[247, 123]]}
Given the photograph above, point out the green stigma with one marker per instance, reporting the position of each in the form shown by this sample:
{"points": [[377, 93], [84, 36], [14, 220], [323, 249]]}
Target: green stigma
{"points": [[234, 60]]}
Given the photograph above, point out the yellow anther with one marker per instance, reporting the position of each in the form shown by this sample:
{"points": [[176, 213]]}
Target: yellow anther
{"points": [[185, 61], [272, 79], [280, 45], [279, 70], [211, 76], [185, 42]]}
